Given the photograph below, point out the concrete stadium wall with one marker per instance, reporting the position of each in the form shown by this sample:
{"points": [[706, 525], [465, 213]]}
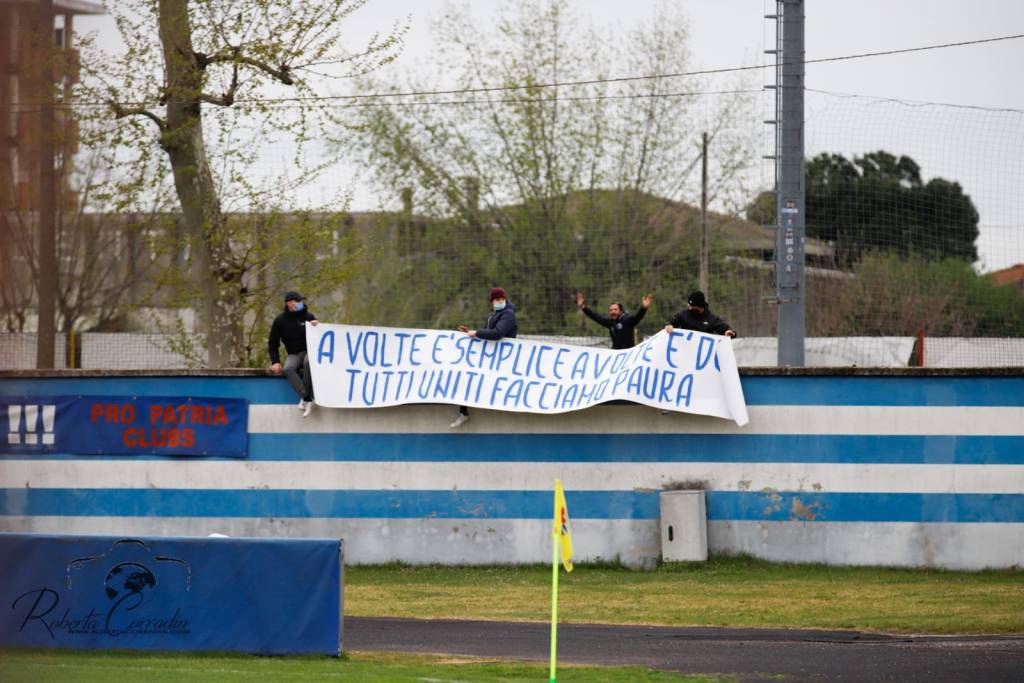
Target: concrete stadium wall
{"points": [[902, 468]]}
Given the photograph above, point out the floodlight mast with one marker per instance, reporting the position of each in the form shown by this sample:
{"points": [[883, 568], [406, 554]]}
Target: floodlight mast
{"points": [[790, 214]]}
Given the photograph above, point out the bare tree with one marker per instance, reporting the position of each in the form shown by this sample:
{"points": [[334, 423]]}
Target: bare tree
{"points": [[103, 259], [196, 69]]}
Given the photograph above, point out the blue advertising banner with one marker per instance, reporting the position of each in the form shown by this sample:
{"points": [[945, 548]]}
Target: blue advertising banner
{"points": [[262, 596], [125, 425]]}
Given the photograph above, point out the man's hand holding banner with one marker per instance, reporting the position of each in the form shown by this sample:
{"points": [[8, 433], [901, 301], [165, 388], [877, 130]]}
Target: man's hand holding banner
{"points": [[368, 367]]}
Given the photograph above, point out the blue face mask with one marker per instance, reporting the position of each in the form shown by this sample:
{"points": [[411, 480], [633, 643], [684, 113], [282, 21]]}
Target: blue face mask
{"points": [[298, 306], [499, 306]]}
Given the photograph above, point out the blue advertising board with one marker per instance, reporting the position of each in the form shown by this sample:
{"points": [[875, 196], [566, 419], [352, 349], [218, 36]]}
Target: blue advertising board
{"points": [[125, 425], [262, 596]]}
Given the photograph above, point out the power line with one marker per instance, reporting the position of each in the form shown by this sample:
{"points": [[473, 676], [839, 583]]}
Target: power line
{"points": [[624, 79], [423, 103], [576, 83], [915, 103], [556, 98]]}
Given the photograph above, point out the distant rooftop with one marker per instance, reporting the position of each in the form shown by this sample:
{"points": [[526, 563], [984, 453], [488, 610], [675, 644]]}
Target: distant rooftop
{"points": [[65, 6], [1006, 276]]}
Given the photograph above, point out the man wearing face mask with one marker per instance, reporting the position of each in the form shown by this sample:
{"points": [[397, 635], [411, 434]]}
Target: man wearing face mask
{"points": [[501, 324], [290, 328], [621, 325]]}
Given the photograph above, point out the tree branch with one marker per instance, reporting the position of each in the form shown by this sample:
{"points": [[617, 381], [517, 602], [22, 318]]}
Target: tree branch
{"points": [[123, 112], [228, 98], [282, 73]]}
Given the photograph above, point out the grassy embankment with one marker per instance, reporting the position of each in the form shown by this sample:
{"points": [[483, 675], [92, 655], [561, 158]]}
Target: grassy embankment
{"points": [[723, 592]]}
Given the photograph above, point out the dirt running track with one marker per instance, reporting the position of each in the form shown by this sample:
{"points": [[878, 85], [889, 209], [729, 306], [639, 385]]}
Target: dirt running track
{"points": [[749, 654]]}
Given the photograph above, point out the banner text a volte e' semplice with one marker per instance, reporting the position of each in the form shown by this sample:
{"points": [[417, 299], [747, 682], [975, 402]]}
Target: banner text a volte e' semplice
{"points": [[367, 367]]}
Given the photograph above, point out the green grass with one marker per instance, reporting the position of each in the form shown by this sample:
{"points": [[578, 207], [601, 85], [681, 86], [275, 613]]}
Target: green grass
{"points": [[81, 667], [722, 592]]}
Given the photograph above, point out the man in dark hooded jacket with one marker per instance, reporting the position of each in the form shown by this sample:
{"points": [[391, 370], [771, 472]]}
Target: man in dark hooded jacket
{"points": [[621, 325], [501, 324], [290, 328], [698, 316]]}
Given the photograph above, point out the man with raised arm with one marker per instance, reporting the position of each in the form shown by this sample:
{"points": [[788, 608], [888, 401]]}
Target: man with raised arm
{"points": [[621, 325]]}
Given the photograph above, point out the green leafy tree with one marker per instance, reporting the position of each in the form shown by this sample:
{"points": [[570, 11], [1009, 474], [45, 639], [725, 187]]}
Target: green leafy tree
{"points": [[546, 190], [891, 294], [879, 202], [193, 100]]}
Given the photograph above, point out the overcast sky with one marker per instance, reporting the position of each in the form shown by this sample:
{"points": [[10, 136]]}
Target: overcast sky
{"points": [[727, 33], [732, 32]]}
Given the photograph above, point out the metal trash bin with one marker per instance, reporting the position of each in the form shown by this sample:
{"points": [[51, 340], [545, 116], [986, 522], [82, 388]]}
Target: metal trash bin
{"points": [[684, 526]]}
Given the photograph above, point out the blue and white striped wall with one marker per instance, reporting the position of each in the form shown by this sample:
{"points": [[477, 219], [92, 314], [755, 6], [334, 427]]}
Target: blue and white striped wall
{"points": [[904, 470]]}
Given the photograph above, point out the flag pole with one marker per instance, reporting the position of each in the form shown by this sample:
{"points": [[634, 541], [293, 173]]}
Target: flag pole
{"points": [[554, 602]]}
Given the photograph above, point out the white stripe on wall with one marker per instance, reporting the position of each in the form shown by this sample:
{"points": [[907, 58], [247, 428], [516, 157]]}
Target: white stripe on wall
{"points": [[505, 476], [433, 419], [499, 541], [416, 541], [971, 546]]}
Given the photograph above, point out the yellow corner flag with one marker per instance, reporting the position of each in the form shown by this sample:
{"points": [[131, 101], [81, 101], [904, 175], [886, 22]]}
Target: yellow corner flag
{"points": [[561, 537], [561, 526]]}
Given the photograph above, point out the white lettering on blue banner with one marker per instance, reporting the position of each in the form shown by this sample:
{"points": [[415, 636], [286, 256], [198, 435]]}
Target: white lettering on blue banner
{"points": [[371, 367]]}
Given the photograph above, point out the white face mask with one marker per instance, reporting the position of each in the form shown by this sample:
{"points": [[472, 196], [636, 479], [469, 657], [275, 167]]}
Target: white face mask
{"points": [[499, 304]]}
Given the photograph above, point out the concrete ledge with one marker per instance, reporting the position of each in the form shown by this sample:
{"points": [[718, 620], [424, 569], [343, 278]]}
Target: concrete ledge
{"points": [[845, 371], [744, 372], [184, 372]]}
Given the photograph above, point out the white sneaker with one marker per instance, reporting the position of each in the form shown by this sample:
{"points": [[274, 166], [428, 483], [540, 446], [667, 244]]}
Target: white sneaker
{"points": [[459, 421], [302, 404], [308, 409]]}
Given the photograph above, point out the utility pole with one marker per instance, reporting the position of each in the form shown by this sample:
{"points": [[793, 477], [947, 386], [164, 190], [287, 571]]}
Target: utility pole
{"points": [[46, 287], [704, 255], [789, 181]]}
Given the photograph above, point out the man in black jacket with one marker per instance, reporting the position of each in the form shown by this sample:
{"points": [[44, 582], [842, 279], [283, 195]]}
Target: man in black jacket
{"points": [[621, 325], [290, 328], [501, 324], [698, 316]]}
